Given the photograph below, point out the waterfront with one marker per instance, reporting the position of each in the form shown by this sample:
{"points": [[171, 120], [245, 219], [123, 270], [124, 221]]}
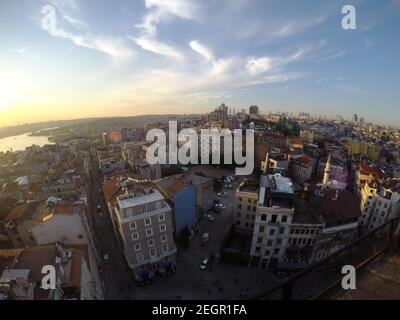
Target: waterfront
{"points": [[20, 142]]}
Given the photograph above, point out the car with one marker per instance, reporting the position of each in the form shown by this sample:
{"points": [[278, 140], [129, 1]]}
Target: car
{"points": [[106, 259], [204, 264], [217, 209], [210, 217], [220, 206], [205, 237], [222, 194], [101, 215]]}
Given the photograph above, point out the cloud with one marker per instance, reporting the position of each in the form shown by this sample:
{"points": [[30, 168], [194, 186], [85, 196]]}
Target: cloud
{"points": [[161, 9], [201, 50], [158, 48], [259, 65], [23, 51], [296, 26], [113, 46]]}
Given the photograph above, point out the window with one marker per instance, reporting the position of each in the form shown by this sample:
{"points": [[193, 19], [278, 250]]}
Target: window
{"points": [[150, 242], [163, 227], [269, 243], [149, 232], [248, 208], [254, 209], [240, 206], [267, 253], [153, 253], [258, 249], [273, 218], [147, 222], [161, 217], [135, 236], [132, 225], [272, 232], [281, 230], [284, 219], [276, 251], [128, 212], [138, 247], [139, 257], [144, 208], [279, 242], [163, 238], [263, 217], [259, 240], [164, 248], [261, 229]]}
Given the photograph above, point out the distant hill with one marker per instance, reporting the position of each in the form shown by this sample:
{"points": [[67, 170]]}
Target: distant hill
{"points": [[33, 127]]}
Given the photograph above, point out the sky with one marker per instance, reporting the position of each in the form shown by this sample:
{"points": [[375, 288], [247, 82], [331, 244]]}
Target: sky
{"points": [[131, 57]]}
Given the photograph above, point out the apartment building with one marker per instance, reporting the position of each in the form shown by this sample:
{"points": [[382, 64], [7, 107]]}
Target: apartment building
{"points": [[379, 202], [274, 214], [21, 273], [292, 230], [246, 205], [143, 222], [302, 168]]}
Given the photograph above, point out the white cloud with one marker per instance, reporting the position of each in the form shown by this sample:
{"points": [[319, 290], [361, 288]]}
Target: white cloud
{"points": [[181, 8], [161, 9], [113, 46], [201, 50], [259, 65], [158, 47]]}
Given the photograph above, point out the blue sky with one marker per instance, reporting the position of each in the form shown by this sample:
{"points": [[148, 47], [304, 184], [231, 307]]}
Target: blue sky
{"points": [[128, 57]]}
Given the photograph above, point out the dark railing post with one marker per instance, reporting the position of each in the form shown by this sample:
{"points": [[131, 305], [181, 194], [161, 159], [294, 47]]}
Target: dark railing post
{"points": [[287, 291]]}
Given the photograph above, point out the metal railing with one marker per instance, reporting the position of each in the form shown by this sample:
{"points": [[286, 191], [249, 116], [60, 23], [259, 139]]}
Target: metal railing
{"points": [[321, 278]]}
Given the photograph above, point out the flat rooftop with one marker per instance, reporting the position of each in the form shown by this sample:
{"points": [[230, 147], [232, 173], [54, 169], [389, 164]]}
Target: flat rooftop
{"points": [[138, 197], [277, 183]]}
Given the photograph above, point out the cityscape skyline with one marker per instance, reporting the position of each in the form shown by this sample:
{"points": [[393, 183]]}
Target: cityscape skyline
{"points": [[159, 57]]}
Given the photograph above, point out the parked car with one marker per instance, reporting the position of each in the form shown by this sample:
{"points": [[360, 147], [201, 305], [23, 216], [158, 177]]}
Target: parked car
{"points": [[101, 215], [220, 206], [106, 259], [210, 217], [205, 237], [222, 194], [204, 264]]}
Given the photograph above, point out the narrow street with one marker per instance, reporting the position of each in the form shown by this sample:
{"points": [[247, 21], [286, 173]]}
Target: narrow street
{"points": [[116, 274]]}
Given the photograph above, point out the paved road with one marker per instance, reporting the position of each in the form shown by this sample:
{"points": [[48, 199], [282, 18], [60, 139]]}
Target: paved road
{"points": [[116, 275]]}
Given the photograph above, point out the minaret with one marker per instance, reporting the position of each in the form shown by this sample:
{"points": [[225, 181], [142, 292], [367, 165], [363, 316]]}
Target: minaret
{"points": [[266, 163], [327, 171]]}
